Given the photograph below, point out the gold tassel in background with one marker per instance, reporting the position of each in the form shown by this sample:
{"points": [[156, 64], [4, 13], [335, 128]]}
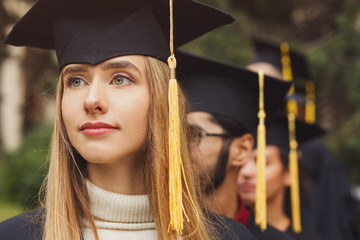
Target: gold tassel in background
{"points": [[260, 201], [293, 156], [286, 64], [310, 102], [294, 175]]}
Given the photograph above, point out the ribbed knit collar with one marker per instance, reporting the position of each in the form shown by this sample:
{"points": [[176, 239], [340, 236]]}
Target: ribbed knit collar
{"points": [[118, 208]]}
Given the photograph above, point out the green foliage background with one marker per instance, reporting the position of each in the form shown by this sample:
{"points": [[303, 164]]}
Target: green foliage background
{"points": [[22, 172]]}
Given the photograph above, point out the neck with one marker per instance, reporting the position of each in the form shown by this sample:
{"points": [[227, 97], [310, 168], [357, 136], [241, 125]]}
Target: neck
{"points": [[125, 176], [224, 198], [276, 216]]}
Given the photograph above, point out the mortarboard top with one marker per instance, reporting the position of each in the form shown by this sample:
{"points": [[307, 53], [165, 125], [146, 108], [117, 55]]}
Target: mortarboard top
{"points": [[89, 31], [229, 90], [277, 133], [269, 52]]}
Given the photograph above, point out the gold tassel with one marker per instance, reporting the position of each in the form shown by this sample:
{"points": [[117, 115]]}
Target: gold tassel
{"points": [[176, 169], [310, 102], [293, 156], [175, 183], [294, 175], [286, 63], [260, 201], [292, 107]]}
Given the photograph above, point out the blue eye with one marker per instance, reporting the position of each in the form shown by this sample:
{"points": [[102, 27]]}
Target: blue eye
{"points": [[120, 80]]}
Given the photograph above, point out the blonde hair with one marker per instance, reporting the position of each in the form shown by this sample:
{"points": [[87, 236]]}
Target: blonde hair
{"points": [[66, 201]]}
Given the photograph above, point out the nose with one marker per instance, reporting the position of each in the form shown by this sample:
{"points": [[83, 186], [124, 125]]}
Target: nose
{"points": [[249, 169], [96, 101]]}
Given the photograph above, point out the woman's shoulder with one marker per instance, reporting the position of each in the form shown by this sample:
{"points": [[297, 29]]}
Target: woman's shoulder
{"points": [[26, 226], [229, 229]]}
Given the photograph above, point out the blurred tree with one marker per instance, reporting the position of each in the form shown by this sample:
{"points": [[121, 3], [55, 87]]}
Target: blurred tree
{"points": [[41, 79], [22, 172], [5, 19]]}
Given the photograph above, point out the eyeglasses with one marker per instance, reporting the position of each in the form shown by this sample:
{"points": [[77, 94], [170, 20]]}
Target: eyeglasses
{"points": [[197, 135]]}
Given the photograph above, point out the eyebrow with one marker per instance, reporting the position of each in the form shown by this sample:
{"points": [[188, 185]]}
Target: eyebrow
{"points": [[74, 69], [195, 126], [120, 64]]}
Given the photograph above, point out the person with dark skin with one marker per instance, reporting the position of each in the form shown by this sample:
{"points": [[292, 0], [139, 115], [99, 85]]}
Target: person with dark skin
{"points": [[224, 106]]}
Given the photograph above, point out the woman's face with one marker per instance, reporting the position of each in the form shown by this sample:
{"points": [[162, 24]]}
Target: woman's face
{"points": [[105, 108], [276, 177]]}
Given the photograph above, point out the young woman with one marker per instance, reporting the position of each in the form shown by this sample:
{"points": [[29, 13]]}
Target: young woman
{"points": [[108, 172], [277, 173]]}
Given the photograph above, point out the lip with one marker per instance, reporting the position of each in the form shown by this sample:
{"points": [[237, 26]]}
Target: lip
{"points": [[247, 187], [96, 129]]}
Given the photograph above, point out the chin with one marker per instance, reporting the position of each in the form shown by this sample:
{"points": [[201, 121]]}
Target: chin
{"points": [[109, 156], [98, 154], [98, 158], [248, 199]]}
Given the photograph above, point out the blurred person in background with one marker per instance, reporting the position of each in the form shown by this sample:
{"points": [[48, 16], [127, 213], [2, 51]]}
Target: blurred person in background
{"points": [[328, 208], [278, 178], [224, 103]]}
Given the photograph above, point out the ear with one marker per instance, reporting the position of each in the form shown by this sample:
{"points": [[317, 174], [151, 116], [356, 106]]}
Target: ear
{"points": [[239, 149], [287, 178]]}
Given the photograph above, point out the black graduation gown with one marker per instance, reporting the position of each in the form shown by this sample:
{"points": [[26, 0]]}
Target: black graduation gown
{"points": [[28, 226], [329, 209], [269, 234], [304, 235]]}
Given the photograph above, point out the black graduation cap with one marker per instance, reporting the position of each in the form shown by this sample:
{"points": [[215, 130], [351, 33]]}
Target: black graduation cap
{"points": [[299, 95], [91, 31], [229, 90], [269, 52], [277, 132]]}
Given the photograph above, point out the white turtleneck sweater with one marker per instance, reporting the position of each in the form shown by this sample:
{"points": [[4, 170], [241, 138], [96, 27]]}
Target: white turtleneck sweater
{"points": [[118, 216]]}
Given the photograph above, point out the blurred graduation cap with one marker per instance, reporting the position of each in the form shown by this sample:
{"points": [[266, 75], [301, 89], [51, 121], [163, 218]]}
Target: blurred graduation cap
{"points": [[299, 95], [269, 52], [304, 93], [278, 132], [221, 88], [89, 31]]}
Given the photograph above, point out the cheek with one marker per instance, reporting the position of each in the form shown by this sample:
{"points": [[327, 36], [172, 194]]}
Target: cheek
{"points": [[240, 178], [199, 160], [209, 152], [274, 179], [274, 173], [70, 105], [135, 112]]}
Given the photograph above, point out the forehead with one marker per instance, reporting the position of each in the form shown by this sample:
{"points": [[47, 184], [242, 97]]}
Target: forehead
{"points": [[131, 62], [204, 120]]}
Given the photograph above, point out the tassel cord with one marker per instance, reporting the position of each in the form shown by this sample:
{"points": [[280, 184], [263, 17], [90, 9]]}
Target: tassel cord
{"points": [[260, 201]]}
